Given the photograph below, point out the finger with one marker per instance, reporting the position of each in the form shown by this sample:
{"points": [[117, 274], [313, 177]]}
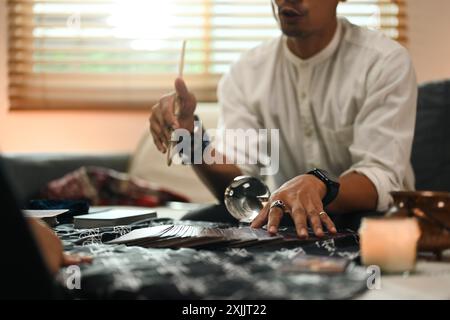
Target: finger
{"points": [[86, 259], [275, 216], [156, 134], [188, 100], [326, 220], [156, 128], [152, 117], [70, 259], [74, 259], [181, 88], [300, 220], [165, 127], [156, 119], [261, 218], [169, 119], [316, 206], [313, 206], [159, 144], [316, 224]]}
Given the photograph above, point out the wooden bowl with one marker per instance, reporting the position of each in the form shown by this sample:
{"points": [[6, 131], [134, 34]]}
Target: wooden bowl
{"points": [[432, 209]]}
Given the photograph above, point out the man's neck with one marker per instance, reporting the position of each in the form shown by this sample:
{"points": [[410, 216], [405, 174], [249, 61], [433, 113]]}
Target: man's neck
{"points": [[308, 46]]}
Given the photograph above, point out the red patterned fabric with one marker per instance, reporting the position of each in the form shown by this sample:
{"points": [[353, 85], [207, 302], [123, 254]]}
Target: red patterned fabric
{"points": [[101, 186]]}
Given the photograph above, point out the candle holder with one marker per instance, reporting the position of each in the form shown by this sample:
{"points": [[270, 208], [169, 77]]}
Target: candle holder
{"points": [[432, 210]]}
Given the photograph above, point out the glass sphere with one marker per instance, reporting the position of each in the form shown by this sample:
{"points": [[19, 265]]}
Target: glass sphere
{"points": [[245, 197]]}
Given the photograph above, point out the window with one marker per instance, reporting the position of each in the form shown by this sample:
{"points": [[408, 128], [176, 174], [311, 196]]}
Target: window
{"points": [[124, 53]]}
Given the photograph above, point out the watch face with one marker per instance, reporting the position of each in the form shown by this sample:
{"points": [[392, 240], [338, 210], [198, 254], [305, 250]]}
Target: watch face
{"points": [[326, 176], [330, 176]]}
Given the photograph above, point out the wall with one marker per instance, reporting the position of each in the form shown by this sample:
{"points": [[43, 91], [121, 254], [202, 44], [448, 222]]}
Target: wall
{"points": [[429, 30], [74, 131], [429, 38], [3, 73]]}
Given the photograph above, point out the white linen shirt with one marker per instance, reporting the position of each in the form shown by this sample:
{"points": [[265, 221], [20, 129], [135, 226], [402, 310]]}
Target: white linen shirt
{"points": [[351, 107]]}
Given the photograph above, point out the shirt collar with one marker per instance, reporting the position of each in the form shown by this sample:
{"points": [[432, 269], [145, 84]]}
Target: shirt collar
{"points": [[326, 53]]}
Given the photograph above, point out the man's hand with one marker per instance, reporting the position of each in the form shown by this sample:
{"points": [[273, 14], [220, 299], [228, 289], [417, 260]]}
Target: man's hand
{"points": [[51, 247], [163, 118], [302, 197]]}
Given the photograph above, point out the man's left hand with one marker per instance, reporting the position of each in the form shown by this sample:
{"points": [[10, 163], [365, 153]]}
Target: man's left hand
{"points": [[302, 197]]}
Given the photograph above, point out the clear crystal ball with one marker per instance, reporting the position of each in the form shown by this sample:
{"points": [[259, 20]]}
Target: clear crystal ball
{"points": [[245, 197]]}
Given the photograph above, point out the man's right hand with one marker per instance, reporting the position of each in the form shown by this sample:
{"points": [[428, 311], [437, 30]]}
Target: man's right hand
{"points": [[163, 118]]}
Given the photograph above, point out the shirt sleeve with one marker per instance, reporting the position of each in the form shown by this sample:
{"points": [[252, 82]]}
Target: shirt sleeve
{"points": [[238, 126], [384, 126]]}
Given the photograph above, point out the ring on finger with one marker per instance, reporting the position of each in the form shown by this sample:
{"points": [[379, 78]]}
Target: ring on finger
{"points": [[278, 204], [321, 213]]}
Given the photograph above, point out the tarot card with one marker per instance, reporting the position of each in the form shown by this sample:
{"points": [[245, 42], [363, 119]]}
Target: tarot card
{"points": [[316, 264], [142, 234]]}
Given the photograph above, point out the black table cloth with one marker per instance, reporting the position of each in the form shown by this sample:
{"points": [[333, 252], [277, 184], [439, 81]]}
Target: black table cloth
{"points": [[131, 272]]}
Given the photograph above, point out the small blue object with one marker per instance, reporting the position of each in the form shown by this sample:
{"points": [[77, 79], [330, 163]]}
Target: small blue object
{"points": [[74, 207]]}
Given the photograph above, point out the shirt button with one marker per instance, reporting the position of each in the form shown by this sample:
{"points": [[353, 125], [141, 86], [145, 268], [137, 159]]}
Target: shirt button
{"points": [[303, 95]]}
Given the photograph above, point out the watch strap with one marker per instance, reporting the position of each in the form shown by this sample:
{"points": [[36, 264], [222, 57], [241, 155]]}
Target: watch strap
{"points": [[331, 185]]}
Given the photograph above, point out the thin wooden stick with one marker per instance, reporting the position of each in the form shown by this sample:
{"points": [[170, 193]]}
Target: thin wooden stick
{"points": [[177, 101], [182, 57]]}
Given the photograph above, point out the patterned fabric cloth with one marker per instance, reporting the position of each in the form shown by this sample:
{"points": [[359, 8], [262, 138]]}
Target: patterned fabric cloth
{"points": [[101, 186], [131, 272]]}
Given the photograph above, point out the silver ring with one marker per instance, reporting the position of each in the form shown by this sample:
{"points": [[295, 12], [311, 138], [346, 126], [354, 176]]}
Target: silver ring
{"points": [[278, 204], [322, 213]]}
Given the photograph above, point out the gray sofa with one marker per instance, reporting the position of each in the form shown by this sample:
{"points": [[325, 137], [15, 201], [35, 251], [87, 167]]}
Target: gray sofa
{"points": [[431, 148], [28, 173], [430, 155]]}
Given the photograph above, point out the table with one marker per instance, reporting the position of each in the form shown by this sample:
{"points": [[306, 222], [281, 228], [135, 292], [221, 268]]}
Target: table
{"points": [[431, 280]]}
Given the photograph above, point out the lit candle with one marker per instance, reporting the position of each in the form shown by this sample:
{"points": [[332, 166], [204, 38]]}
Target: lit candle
{"points": [[390, 243]]}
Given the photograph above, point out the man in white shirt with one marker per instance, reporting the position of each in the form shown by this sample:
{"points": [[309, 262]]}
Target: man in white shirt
{"points": [[343, 99]]}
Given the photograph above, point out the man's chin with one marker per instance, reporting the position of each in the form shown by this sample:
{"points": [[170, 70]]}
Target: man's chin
{"points": [[295, 32], [299, 30]]}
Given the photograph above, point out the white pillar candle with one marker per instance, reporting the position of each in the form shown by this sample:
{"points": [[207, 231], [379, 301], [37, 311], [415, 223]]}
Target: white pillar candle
{"points": [[390, 243]]}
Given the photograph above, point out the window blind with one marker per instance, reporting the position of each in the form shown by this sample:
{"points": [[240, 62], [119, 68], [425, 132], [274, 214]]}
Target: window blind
{"points": [[124, 53]]}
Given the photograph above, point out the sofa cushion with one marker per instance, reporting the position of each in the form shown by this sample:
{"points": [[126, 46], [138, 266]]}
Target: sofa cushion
{"points": [[431, 152], [30, 172], [150, 164]]}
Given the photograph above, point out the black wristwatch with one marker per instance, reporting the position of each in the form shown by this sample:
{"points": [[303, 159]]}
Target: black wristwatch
{"points": [[187, 154], [330, 181]]}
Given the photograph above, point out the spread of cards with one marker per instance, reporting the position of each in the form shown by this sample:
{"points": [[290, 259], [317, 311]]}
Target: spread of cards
{"points": [[192, 236]]}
